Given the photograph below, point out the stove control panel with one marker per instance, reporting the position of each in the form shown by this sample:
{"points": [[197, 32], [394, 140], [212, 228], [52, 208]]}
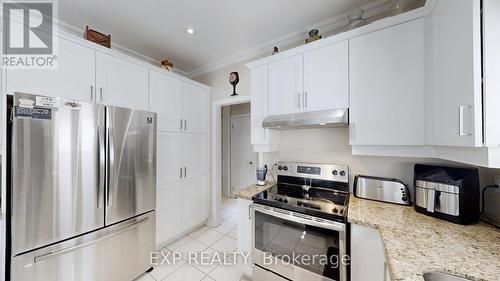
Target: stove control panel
{"points": [[318, 171]]}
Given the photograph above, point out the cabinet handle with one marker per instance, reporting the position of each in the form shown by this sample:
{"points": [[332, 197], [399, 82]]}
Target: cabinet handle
{"points": [[91, 93], [249, 212], [461, 130], [305, 99], [181, 124], [181, 173], [100, 94], [185, 173], [298, 100], [185, 125]]}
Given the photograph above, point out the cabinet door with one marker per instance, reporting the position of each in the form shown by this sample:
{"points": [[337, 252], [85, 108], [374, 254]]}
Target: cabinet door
{"points": [[194, 202], [386, 82], [169, 187], [165, 98], [194, 155], [286, 86], [195, 108], [367, 254], [326, 77], [121, 82], [260, 137], [74, 78], [453, 73]]}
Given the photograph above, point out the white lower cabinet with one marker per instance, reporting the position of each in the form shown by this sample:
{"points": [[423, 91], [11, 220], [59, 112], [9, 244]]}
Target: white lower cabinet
{"points": [[168, 220], [245, 231], [194, 202], [367, 255]]}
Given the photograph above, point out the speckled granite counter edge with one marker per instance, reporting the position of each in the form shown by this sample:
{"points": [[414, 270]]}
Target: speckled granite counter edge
{"points": [[415, 243], [250, 191]]}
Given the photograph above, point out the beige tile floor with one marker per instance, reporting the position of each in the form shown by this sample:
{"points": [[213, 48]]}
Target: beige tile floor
{"points": [[206, 239]]}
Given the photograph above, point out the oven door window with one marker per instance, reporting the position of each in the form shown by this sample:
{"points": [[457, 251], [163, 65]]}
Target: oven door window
{"points": [[311, 248]]}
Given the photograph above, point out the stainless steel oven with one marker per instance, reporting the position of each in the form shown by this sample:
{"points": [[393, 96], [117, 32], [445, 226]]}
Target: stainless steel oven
{"points": [[294, 246]]}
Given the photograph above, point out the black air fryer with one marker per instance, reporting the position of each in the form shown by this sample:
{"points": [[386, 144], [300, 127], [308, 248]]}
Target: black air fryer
{"points": [[448, 193]]}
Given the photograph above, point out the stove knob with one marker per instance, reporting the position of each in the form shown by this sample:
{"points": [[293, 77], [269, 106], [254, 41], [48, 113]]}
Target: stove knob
{"points": [[285, 201], [342, 173], [280, 200], [280, 168], [285, 168], [299, 203], [335, 172], [335, 210]]}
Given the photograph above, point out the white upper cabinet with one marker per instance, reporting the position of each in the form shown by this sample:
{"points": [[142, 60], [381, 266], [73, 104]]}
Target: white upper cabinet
{"points": [[165, 98], [387, 86], [453, 102], [195, 108], [326, 78], [74, 77], [286, 85], [263, 140], [121, 82]]}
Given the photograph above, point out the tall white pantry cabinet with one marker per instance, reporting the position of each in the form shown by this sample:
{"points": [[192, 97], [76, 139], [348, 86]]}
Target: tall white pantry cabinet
{"points": [[91, 73]]}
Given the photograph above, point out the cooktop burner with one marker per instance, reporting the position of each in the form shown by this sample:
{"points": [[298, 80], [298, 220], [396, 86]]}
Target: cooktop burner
{"points": [[310, 200], [322, 194]]}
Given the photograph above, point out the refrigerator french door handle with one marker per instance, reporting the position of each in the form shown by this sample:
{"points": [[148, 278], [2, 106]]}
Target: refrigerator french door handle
{"points": [[111, 161], [101, 173]]}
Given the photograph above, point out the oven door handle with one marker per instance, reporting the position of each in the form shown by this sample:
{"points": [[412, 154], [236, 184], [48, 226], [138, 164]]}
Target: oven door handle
{"points": [[300, 218]]}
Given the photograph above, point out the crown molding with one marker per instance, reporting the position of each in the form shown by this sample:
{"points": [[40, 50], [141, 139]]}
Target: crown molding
{"points": [[292, 39], [117, 47]]}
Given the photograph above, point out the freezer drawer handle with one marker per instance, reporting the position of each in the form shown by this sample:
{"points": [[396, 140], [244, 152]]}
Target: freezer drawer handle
{"points": [[47, 256]]}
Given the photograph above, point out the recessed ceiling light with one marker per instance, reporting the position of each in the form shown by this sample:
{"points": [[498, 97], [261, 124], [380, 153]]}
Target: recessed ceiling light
{"points": [[190, 30]]}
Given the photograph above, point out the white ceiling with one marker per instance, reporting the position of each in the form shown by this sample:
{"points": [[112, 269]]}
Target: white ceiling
{"points": [[224, 28]]}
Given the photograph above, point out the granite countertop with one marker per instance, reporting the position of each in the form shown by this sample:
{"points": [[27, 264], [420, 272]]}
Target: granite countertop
{"points": [[250, 191], [415, 243]]}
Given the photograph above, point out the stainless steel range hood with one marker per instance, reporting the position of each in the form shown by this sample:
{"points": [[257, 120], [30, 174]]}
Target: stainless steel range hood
{"points": [[335, 118]]}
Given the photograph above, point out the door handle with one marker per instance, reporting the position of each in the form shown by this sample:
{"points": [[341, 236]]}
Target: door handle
{"points": [[101, 159], [461, 129], [47, 256], [250, 163], [181, 173], [111, 161], [181, 123], [100, 94], [185, 125], [185, 172]]}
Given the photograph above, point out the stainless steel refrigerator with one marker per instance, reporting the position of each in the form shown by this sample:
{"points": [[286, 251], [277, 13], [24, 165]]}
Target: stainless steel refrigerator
{"points": [[82, 190]]}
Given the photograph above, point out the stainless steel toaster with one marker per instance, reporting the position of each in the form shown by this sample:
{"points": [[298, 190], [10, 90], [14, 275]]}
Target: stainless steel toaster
{"points": [[382, 189]]}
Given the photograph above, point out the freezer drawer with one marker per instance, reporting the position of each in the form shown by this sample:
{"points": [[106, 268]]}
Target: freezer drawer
{"points": [[57, 159], [117, 253], [131, 164]]}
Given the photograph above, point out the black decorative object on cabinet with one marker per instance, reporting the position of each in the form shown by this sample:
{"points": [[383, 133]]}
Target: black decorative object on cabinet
{"points": [[234, 79]]}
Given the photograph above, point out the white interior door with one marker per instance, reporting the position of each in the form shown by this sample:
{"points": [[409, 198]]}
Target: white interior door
{"points": [[243, 158]]}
